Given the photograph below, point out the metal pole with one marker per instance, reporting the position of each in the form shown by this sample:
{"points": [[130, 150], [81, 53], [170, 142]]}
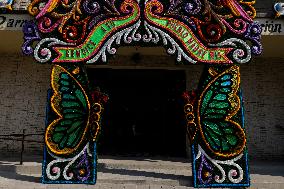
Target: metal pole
{"points": [[23, 147]]}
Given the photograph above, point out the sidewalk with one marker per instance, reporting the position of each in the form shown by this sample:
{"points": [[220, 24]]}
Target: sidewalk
{"points": [[132, 173]]}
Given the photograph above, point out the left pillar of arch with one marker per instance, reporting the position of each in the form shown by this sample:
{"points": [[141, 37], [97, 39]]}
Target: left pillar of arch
{"points": [[72, 127]]}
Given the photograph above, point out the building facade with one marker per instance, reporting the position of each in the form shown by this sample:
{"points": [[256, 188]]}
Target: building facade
{"points": [[24, 86]]}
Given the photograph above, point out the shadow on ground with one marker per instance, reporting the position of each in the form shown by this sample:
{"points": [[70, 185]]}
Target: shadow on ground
{"points": [[273, 168], [8, 169], [183, 180], [10, 172], [16, 176], [149, 159]]}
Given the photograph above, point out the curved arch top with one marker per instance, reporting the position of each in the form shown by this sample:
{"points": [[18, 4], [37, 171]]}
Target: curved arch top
{"points": [[195, 31]]}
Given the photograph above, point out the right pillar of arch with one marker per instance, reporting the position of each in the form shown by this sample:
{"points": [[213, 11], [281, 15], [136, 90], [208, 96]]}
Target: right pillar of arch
{"points": [[215, 126]]}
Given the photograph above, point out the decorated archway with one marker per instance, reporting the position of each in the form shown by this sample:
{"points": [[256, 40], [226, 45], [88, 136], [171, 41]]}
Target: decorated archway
{"points": [[73, 33]]}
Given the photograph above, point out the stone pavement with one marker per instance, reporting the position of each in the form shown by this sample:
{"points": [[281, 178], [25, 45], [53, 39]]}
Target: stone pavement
{"points": [[132, 173]]}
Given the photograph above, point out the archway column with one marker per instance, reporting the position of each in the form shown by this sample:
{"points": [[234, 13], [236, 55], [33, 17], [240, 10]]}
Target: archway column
{"points": [[72, 126], [215, 126]]}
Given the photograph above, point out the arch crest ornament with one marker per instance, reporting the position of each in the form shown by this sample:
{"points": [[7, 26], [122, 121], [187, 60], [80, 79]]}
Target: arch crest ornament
{"points": [[72, 33], [216, 33]]}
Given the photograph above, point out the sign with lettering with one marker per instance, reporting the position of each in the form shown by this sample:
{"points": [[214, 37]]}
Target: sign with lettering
{"points": [[86, 35], [186, 36], [271, 26], [95, 39], [13, 21]]}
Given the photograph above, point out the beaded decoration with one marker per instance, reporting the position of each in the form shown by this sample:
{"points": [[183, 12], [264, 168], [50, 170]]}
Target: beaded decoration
{"points": [[215, 127], [71, 33], [84, 31], [73, 125]]}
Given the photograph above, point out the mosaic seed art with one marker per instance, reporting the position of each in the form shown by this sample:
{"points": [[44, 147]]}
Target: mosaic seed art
{"points": [[73, 124], [214, 114], [72, 33]]}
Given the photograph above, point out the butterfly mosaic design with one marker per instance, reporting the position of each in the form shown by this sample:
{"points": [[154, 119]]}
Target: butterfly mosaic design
{"points": [[78, 117], [212, 115]]}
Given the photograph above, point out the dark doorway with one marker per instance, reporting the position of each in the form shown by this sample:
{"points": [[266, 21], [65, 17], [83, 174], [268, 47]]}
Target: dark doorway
{"points": [[144, 115]]}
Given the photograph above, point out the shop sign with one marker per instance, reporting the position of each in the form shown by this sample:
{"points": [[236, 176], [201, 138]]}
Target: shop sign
{"points": [[16, 22], [271, 26], [13, 21]]}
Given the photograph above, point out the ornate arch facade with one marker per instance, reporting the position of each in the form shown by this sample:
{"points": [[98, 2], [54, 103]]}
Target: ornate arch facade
{"points": [[70, 34]]}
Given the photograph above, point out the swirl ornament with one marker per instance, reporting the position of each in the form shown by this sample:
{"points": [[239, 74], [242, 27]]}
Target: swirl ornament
{"points": [[91, 7], [72, 166], [235, 175], [253, 33], [31, 34], [193, 8], [127, 35], [242, 51], [43, 51], [153, 36]]}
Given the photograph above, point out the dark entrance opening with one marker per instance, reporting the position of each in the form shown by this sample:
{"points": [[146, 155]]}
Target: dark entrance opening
{"points": [[144, 116]]}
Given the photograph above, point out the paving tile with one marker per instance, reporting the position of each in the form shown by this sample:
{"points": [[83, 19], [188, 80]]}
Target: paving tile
{"points": [[137, 176]]}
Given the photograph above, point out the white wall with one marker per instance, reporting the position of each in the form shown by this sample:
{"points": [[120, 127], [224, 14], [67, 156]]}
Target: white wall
{"points": [[23, 86]]}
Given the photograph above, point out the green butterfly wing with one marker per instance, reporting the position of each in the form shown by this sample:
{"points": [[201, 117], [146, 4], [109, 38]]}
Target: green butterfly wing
{"points": [[70, 102], [218, 103]]}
